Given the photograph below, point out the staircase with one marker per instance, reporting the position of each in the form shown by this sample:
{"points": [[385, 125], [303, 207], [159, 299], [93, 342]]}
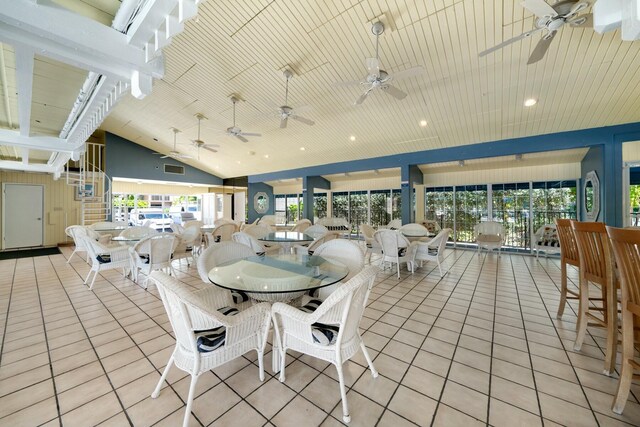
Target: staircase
{"points": [[92, 185]]}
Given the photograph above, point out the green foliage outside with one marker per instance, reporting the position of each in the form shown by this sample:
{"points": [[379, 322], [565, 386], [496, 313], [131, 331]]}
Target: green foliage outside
{"points": [[119, 201], [634, 196]]}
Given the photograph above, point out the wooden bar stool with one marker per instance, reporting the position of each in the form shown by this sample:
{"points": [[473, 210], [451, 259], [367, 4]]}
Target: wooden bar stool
{"points": [[626, 248], [568, 255], [596, 266]]}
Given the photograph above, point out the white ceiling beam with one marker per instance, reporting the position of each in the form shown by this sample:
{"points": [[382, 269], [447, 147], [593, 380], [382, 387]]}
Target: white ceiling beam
{"points": [[45, 143], [19, 166], [73, 39], [25, 155], [24, 79]]}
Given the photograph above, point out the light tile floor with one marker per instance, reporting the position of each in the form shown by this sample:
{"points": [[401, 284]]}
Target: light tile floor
{"points": [[482, 346]]}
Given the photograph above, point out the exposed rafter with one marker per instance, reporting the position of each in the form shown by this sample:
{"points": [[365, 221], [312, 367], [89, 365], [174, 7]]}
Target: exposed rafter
{"points": [[121, 58]]}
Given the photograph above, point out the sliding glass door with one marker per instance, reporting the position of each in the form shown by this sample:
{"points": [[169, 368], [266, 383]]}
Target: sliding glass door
{"points": [[471, 209]]}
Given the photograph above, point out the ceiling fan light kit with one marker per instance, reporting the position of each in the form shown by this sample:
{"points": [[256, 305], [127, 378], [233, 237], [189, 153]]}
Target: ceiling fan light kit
{"points": [[285, 112]]}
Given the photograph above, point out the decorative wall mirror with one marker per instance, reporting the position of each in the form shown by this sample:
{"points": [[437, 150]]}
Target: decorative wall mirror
{"points": [[591, 196], [261, 202]]}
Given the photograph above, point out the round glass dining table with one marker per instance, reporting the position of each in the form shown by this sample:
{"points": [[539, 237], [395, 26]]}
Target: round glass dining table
{"points": [[278, 278], [286, 239]]}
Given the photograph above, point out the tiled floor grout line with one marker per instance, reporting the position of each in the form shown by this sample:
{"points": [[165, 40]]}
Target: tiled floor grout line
{"points": [[493, 331], [46, 340], [444, 385], [526, 339], [563, 346], [55, 270], [6, 320]]}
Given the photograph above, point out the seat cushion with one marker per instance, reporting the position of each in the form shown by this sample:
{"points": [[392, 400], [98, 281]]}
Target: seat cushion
{"points": [[322, 334], [104, 258], [212, 339], [239, 296]]}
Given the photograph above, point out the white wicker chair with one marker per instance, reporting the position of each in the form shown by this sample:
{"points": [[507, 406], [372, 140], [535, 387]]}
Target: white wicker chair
{"points": [[432, 250], [202, 311], [267, 220], [194, 223], [259, 230], [177, 228], [153, 253], [188, 244], [221, 253], [218, 222], [343, 251], [77, 231], [343, 308], [223, 232], [255, 244], [489, 235], [301, 225], [105, 257], [394, 224], [102, 225], [370, 243], [310, 248], [546, 240], [395, 248], [138, 232], [415, 229], [316, 231]]}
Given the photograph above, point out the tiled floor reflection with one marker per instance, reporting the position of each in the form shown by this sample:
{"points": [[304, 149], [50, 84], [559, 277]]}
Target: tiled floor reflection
{"points": [[481, 346]]}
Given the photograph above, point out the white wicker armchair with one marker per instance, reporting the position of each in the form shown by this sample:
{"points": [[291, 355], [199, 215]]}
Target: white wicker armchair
{"points": [[489, 235], [546, 239], [301, 225], [339, 316], [259, 230], [105, 257], [199, 323], [395, 248], [316, 231], [153, 253], [188, 244], [310, 248], [138, 232], [223, 232], [221, 253], [370, 243], [343, 251], [432, 250], [78, 231], [255, 244]]}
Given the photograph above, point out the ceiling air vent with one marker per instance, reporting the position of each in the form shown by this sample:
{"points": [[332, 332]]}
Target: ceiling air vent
{"points": [[174, 169]]}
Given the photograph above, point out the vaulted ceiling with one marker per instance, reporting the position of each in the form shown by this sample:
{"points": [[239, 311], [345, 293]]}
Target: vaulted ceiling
{"points": [[242, 47]]}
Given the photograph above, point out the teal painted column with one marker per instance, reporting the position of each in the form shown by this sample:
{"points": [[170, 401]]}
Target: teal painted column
{"points": [[309, 184], [410, 175]]}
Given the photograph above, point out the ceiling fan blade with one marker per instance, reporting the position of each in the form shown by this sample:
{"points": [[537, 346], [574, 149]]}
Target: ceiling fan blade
{"points": [[582, 21], [283, 122], [541, 48], [362, 97], [394, 91], [373, 67], [508, 42], [213, 150], [540, 8], [303, 120], [241, 138], [348, 83], [164, 157], [409, 72], [250, 134]]}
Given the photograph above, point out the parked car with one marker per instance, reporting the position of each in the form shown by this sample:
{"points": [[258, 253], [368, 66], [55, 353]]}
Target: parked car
{"points": [[159, 220]]}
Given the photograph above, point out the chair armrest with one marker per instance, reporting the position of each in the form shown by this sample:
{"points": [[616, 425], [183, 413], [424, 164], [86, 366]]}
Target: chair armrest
{"points": [[214, 297], [105, 239], [293, 313]]}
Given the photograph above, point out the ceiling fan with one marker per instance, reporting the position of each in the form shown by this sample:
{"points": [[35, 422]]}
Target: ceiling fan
{"points": [[379, 78], [285, 112], [550, 18], [199, 143], [175, 154], [236, 131]]}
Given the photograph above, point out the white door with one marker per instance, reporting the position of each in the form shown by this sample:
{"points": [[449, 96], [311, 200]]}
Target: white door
{"points": [[22, 212]]}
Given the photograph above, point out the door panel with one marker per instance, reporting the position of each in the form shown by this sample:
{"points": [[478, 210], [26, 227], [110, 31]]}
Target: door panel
{"points": [[22, 215]]}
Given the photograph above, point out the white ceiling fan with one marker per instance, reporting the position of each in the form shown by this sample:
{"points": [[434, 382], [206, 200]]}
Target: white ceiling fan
{"points": [[285, 112], [236, 131], [379, 78], [199, 143], [550, 18], [175, 154]]}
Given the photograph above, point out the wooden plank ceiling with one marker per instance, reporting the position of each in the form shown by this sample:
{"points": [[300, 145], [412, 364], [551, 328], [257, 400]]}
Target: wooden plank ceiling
{"points": [[586, 80]]}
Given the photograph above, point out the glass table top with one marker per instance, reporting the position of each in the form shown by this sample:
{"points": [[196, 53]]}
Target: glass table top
{"points": [[286, 237], [279, 274]]}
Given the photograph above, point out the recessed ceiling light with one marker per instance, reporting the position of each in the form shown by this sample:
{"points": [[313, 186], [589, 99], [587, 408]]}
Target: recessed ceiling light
{"points": [[238, 162], [423, 123], [352, 138], [530, 102], [266, 156], [302, 148]]}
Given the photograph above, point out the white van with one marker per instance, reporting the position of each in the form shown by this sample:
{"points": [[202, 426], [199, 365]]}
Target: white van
{"points": [[159, 220]]}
